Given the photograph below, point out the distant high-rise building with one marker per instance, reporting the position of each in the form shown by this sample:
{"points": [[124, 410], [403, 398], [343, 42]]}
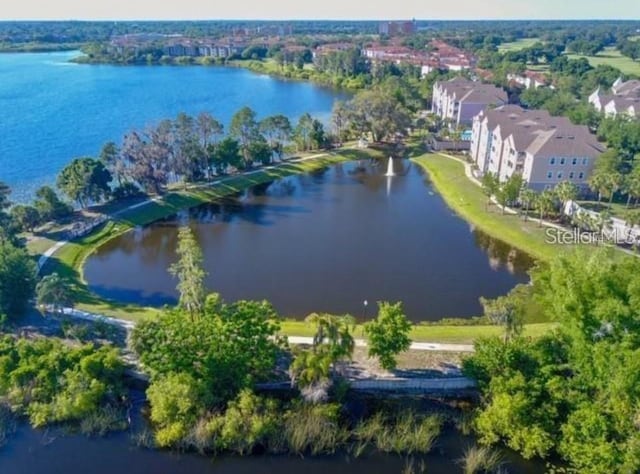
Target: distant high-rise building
{"points": [[397, 28]]}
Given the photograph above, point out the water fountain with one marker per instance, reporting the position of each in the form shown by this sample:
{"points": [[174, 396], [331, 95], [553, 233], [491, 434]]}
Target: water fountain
{"points": [[390, 167]]}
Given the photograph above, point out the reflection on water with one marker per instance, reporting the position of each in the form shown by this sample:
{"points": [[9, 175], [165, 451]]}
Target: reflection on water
{"points": [[325, 241]]}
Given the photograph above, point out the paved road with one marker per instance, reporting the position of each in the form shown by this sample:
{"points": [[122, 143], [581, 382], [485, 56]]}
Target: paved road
{"points": [[416, 346]]}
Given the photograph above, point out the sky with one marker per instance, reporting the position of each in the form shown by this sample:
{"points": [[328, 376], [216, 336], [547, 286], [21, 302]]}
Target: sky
{"points": [[317, 9]]}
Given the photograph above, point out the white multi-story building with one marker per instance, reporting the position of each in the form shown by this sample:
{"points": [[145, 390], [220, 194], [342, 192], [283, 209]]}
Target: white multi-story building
{"points": [[458, 100], [545, 150], [624, 99]]}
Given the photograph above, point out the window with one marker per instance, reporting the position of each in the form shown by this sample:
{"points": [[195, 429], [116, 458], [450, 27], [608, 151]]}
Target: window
{"points": [[552, 161], [585, 161], [571, 175], [581, 175], [562, 161], [574, 161], [550, 175], [510, 164], [560, 175]]}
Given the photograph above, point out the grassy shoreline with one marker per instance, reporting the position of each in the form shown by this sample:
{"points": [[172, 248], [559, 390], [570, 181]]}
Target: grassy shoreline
{"points": [[468, 200]]}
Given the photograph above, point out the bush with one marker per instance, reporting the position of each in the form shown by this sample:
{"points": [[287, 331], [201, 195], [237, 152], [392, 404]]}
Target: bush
{"points": [[175, 401]]}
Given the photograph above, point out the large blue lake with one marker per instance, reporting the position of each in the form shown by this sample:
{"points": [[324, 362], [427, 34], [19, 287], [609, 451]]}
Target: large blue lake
{"points": [[52, 110]]}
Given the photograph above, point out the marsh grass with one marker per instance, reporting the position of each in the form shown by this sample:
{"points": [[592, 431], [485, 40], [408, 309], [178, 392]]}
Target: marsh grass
{"points": [[314, 429], [109, 418], [407, 433], [481, 459], [144, 439]]}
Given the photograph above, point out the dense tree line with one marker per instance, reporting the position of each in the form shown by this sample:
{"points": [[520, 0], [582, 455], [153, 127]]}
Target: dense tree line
{"points": [[574, 392]]}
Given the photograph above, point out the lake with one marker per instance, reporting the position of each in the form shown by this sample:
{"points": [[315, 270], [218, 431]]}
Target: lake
{"points": [[52, 110], [323, 242]]}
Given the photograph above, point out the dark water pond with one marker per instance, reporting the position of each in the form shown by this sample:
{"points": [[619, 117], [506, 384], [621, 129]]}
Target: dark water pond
{"points": [[326, 241], [50, 452]]}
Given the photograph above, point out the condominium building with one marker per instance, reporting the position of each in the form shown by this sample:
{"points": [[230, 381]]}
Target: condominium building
{"points": [[623, 99], [458, 100], [545, 150]]}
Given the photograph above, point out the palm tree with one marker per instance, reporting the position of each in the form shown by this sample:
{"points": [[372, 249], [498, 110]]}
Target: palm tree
{"points": [[333, 332], [632, 184], [545, 203], [566, 191], [527, 198], [631, 219], [603, 221], [615, 181]]}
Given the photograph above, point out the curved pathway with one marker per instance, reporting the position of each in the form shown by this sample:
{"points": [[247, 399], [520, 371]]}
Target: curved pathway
{"points": [[416, 346]]}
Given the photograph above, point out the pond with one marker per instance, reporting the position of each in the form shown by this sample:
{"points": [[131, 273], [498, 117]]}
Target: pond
{"points": [[323, 242]]}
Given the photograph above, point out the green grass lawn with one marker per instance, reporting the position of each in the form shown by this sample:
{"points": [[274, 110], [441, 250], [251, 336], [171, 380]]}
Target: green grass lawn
{"points": [[518, 45], [612, 57], [468, 200], [430, 333]]}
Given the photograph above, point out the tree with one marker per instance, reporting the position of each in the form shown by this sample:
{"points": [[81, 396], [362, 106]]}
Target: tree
{"points": [[17, 279], [244, 128], [504, 311], [54, 292], [228, 348], [110, 157], [49, 206], [209, 128], [25, 217], [85, 180], [378, 113], [528, 198], [260, 152], [227, 153], [545, 203], [509, 191], [631, 184], [490, 186], [574, 392], [5, 192], [566, 191], [277, 130], [606, 178], [175, 406], [631, 220], [311, 369], [388, 334], [302, 132], [190, 273]]}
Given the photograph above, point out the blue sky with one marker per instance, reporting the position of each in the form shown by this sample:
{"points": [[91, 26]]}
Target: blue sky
{"points": [[323, 9]]}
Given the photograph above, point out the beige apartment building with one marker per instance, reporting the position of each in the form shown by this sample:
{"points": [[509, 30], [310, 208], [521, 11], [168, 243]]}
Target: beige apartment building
{"points": [[458, 100], [545, 150]]}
